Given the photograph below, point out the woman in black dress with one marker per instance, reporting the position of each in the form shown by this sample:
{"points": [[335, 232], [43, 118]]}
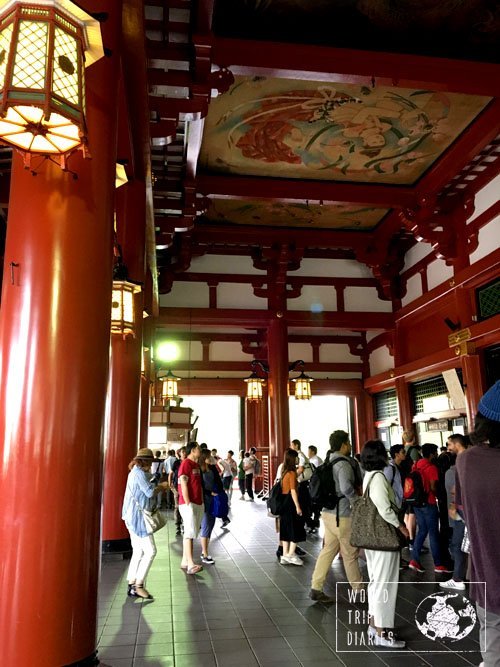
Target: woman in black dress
{"points": [[292, 528]]}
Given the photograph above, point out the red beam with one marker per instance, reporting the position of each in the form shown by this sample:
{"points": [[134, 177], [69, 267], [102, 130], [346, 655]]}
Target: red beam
{"points": [[249, 338], [300, 61], [235, 387], [261, 279], [258, 319], [209, 234], [289, 190], [244, 367]]}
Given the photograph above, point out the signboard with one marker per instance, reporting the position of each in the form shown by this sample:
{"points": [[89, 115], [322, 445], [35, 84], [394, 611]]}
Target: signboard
{"points": [[438, 425]]}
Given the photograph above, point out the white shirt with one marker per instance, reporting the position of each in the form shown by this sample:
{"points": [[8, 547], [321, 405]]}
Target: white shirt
{"points": [[316, 460]]}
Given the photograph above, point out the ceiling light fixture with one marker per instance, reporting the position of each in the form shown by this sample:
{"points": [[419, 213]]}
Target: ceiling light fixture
{"points": [[45, 46]]}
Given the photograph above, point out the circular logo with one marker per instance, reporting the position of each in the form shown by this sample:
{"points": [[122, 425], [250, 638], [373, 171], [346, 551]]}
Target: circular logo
{"points": [[445, 616]]}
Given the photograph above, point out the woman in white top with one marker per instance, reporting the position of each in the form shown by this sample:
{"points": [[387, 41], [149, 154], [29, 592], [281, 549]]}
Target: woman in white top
{"points": [[383, 566], [229, 470]]}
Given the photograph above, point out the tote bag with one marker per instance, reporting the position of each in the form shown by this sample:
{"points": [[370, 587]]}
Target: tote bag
{"points": [[219, 505], [369, 530]]}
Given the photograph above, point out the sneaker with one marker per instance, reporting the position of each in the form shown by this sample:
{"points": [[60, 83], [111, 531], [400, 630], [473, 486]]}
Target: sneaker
{"points": [[319, 596], [442, 569], [388, 641], [252, 500], [455, 585], [279, 552], [299, 551], [208, 560], [242, 497], [413, 565], [284, 560], [294, 560], [225, 522]]}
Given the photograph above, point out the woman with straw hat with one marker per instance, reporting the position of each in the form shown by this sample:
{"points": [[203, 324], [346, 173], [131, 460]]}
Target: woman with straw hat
{"points": [[141, 487]]}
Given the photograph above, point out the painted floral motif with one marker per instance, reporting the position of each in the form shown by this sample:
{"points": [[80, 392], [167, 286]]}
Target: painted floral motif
{"points": [[339, 132], [279, 214]]}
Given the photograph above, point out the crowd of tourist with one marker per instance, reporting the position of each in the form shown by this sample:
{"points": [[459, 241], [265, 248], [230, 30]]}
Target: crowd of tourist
{"points": [[448, 497]]}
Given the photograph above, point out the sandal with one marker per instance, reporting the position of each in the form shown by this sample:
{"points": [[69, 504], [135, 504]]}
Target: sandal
{"points": [[194, 570], [141, 592], [184, 567]]}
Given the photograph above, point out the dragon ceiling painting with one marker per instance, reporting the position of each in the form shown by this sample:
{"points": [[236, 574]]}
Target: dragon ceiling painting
{"points": [[281, 214], [341, 132]]}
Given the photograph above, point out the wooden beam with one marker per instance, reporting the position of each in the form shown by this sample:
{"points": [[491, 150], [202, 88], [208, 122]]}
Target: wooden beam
{"points": [[209, 234], [218, 186], [462, 151], [258, 319], [255, 338], [261, 279], [244, 367], [301, 61], [133, 55]]}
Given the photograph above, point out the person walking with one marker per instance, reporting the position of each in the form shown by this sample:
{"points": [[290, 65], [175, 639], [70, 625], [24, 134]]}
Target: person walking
{"points": [[190, 505], [139, 494], [212, 486], [249, 468], [241, 475], [428, 516], [229, 470], [291, 525], [337, 522], [173, 481], [477, 494], [456, 446], [383, 566]]}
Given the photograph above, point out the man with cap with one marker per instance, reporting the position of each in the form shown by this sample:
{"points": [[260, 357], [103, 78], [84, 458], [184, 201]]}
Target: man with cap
{"points": [[477, 494]]}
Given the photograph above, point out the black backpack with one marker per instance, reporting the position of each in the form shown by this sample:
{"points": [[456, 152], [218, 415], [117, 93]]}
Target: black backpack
{"points": [[277, 499], [322, 486], [414, 492]]}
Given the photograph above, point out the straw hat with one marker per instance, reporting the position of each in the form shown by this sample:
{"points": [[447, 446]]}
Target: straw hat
{"points": [[144, 453]]}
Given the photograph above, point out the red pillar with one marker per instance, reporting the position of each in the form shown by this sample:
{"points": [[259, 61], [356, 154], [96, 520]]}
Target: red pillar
{"points": [[122, 423], [251, 418], [145, 403], [471, 369], [277, 345], [404, 404], [54, 350]]}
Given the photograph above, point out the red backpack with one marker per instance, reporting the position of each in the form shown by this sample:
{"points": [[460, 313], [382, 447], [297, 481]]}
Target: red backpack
{"points": [[414, 491]]}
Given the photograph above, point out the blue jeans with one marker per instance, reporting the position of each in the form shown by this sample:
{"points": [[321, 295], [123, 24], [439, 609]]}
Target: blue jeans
{"points": [[456, 550], [207, 525], [427, 524]]}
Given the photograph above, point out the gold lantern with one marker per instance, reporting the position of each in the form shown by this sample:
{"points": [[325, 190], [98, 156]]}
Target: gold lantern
{"points": [[123, 307], [254, 387], [302, 387], [169, 388], [44, 47]]}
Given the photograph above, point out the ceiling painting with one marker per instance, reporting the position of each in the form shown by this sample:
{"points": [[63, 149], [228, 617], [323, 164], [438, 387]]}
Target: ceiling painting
{"points": [[280, 214], [340, 132]]}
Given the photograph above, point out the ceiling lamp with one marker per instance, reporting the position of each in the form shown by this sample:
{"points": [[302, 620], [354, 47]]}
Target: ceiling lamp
{"points": [[169, 387], [122, 307], [123, 316], [45, 46], [302, 387], [254, 387]]}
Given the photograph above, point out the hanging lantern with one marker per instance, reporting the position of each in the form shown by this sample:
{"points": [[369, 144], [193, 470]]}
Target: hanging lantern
{"points": [[254, 387], [44, 47], [122, 307], [302, 387], [169, 387]]}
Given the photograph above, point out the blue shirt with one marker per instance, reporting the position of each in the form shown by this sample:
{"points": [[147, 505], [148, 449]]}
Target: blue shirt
{"points": [[393, 476], [137, 495]]}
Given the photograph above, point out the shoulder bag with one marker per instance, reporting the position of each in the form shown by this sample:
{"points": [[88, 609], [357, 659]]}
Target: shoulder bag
{"points": [[154, 519], [370, 530]]}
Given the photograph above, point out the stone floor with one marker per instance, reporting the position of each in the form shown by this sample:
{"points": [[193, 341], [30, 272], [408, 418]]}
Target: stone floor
{"points": [[247, 610]]}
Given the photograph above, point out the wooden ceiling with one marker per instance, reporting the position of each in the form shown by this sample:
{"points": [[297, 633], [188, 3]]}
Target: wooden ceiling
{"points": [[346, 142]]}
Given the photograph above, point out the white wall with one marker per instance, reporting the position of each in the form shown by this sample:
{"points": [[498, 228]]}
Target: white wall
{"points": [[381, 360], [315, 298], [239, 295]]}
